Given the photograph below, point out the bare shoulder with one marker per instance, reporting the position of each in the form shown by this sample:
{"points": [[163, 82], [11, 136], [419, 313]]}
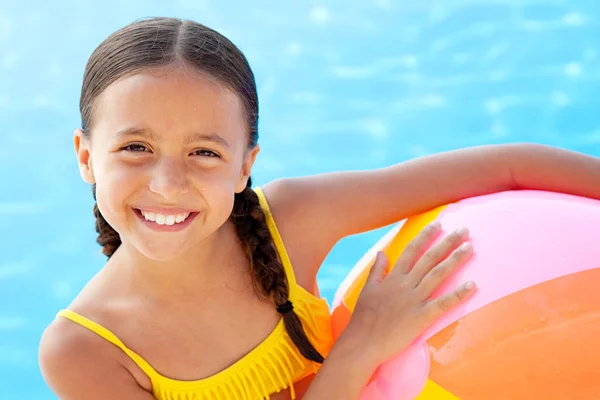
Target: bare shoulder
{"points": [[321, 207], [290, 201], [77, 364]]}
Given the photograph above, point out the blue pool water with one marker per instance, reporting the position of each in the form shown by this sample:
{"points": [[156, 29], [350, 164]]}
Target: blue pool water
{"points": [[344, 84]]}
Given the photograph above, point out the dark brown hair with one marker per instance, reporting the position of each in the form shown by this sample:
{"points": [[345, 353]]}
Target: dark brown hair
{"points": [[159, 42]]}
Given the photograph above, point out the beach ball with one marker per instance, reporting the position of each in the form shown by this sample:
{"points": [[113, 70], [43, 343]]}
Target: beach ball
{"points": [[532, 329]]}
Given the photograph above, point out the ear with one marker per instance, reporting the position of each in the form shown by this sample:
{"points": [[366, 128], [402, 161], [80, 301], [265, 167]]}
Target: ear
{"points": [[83, 152], [246, 169]]}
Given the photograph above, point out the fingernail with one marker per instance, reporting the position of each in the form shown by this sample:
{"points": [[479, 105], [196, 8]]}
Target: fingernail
{"points": [[469, 285], [465, 247], [435, 225], [462, 232]]}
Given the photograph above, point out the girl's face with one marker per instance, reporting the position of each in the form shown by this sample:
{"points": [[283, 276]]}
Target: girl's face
{"points": [[168, 150]]}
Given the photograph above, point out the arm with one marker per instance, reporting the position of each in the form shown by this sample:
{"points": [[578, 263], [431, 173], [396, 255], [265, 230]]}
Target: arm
{"points": [[75, 367], [317, 211], [345, 372]]}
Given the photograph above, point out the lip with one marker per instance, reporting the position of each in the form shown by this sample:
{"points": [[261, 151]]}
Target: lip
{"points": [[165, 210], [166, 228]]}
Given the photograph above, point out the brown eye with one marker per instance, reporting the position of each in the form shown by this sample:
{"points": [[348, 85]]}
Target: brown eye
{"points": [[135, 147], [205, 153]]}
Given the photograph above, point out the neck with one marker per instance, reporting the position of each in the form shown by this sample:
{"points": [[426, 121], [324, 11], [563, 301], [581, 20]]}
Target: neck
{"points": [[211, 265]]}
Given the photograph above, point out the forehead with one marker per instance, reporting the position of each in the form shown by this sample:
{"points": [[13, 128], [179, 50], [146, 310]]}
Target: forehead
{"points": [[173, 102]]}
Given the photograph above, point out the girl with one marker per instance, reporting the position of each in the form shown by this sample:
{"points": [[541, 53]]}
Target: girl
{"points": [[209, 291]]}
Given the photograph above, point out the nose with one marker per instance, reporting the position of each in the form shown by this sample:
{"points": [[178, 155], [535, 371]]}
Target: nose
{"points": [[169, 179]]}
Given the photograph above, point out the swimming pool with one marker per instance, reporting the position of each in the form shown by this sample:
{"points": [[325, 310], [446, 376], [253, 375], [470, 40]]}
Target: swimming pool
{"points": [[343, 85]]}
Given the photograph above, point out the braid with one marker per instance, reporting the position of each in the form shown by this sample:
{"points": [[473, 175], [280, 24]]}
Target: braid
{"points": [[269, 277], [108, 238]]}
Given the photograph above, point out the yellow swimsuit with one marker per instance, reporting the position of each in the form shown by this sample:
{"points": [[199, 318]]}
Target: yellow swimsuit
{"points": [[272, 366]]}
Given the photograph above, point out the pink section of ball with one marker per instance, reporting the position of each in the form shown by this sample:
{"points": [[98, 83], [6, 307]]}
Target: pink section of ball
{"points": [[520, 239]]}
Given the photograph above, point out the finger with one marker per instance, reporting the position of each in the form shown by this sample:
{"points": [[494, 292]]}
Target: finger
{"points": [[416, 247], [448, 301], [437, 275], [379, 269], [437, 253]]}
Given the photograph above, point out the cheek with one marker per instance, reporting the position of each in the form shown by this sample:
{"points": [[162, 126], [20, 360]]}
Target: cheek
{"points": [[109, 208], [218, 191], [113, 187]]}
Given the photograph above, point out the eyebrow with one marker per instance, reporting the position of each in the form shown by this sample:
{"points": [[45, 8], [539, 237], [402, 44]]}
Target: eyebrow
{"points": [[194, 137]]}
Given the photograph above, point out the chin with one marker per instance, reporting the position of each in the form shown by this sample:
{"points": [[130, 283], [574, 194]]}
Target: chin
{"points": [[162, 250], [159, 249]]}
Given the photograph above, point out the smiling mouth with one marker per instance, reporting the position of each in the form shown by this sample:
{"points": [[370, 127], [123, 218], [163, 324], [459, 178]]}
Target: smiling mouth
{"points": [[165, 219]]}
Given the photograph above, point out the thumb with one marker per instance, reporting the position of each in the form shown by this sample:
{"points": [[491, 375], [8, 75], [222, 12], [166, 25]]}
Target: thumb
{"points": [[379, 269]]}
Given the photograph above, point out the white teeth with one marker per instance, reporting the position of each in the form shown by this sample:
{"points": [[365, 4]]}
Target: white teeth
{"points": [[162, 219]]}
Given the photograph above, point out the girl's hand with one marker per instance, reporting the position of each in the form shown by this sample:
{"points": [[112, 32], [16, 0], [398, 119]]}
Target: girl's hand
{"points": [[394, 310]]}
